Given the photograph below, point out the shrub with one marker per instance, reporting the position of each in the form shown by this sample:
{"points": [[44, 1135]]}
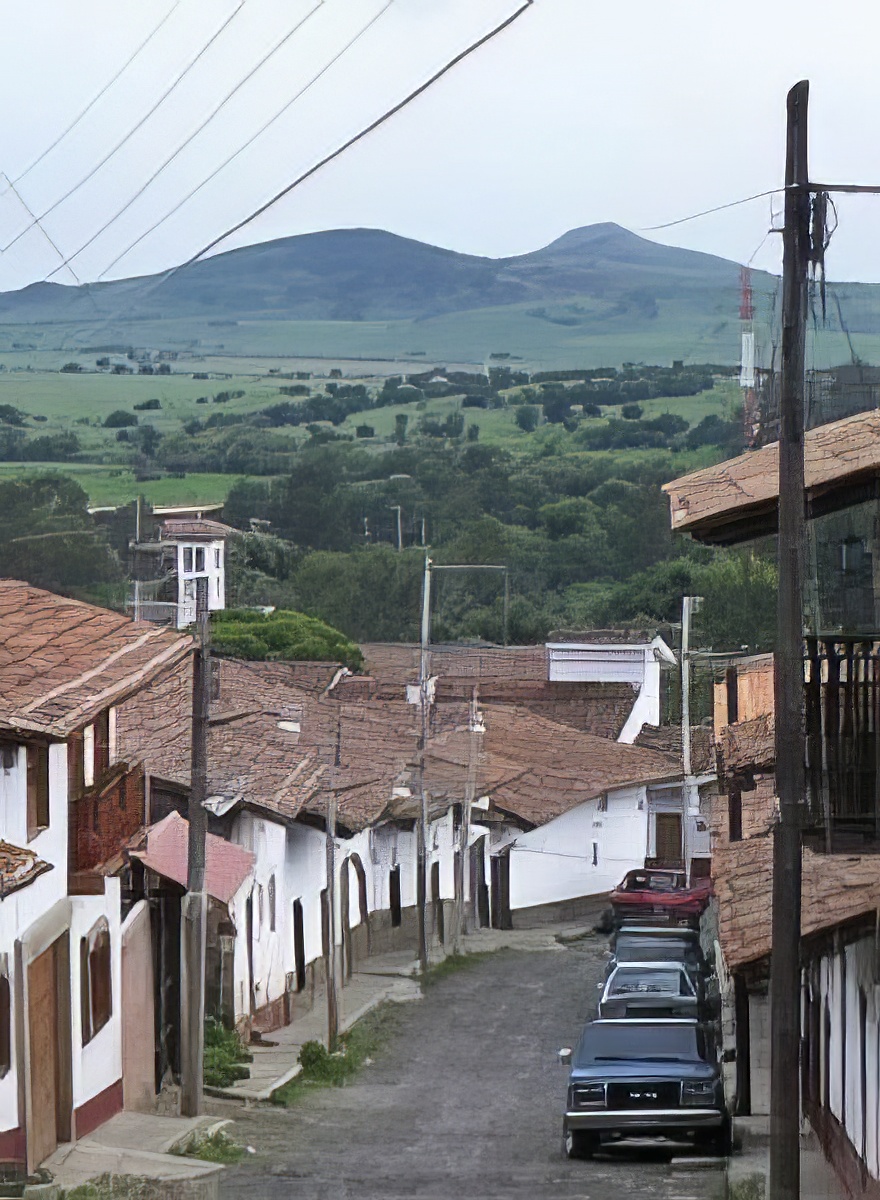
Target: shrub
{"points": [[631, 412], [147, 405], [527, 417], [119, 419]]}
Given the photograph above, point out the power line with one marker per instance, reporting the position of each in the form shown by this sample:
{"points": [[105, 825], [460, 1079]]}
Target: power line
{"points": [[152, 286], [35, 222], [152, 178], [259, 133], [110, 154], [368, 129], [91, 104], [707, 211]]}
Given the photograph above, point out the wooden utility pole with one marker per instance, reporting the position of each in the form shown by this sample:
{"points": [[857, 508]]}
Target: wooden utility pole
{"points": [[422, 832], [330, 846], [789, 680], [464, 834], [195, 902]]}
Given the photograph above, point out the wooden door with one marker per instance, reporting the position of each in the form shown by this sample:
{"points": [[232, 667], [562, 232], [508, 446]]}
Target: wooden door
{"points": [[394, 896], [439, 924], [668, 837], [299, 945], [44, 1045]]}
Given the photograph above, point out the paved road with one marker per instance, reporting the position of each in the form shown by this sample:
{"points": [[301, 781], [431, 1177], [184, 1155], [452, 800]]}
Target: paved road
{"points": [[463, 1103]]}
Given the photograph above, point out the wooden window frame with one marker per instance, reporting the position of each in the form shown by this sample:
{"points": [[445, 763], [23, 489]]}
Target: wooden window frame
{"points": [[38, 801], [96, 980]]}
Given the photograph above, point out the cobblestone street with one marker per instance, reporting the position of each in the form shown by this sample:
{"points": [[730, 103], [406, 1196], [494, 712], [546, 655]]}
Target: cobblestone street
{"points": [[465, 1100]]}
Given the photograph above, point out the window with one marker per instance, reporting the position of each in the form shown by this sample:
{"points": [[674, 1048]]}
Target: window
{"points": [[595, 854], [5, 1026], [102, 744], [187, 558], [602, 803], [272, 903], [200, 558], [37, 789], [75, 782], [89, 756], [217, 558], [734, 815], [96, 989]]}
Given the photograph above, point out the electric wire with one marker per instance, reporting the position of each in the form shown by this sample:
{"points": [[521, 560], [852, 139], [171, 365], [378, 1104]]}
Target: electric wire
{"points": [[259, 133], [176, 153], [368, 129], [707, 211], [128, 136], [41, 227], [91, 104]]}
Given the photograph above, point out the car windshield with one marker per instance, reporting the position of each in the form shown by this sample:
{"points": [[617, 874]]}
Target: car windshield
{"points": [[624, 1042], [637, 949], [643, 881], [628, 981]]}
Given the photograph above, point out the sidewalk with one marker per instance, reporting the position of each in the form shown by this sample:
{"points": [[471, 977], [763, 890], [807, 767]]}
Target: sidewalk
{"points": [[137, 1146], [379, 979], [818, 1179]]}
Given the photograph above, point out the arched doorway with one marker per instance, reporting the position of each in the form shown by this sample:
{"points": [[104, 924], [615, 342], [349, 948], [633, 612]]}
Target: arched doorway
{"points": [[349, 950], [437, 903], [299, 946]]}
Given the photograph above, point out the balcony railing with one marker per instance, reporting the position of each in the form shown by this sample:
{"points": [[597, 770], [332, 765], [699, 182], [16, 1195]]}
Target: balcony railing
{"points": [[842, 713]]}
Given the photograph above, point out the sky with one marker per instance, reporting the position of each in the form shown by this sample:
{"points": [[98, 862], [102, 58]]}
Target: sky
{"points": [[578, 112]]}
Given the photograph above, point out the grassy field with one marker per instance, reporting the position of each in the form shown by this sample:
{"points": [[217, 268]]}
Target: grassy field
{"points": [[106, 485]]}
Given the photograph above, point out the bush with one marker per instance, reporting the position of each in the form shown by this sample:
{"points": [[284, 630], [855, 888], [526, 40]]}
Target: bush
{"points": [[631, 412], [225, 1056], [527, 417], [147, 405], [120, 419], [365, 431], [284, 636]]}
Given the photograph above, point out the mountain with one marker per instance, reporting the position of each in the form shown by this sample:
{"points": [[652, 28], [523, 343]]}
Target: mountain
{"points": [[371, 275]]}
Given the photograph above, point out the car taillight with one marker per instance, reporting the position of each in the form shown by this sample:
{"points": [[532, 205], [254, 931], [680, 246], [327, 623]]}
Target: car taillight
{"points": [[698, 1091], [588, 1095]]}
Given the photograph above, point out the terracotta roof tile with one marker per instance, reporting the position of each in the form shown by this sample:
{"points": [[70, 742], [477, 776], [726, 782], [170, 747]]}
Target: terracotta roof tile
{"points": [[62, 661], [18, 868], [163, 848]]}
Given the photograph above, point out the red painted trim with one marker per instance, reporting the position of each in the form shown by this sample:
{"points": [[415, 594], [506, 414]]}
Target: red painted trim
{"points": [[98, 1110], [13, 1148]]}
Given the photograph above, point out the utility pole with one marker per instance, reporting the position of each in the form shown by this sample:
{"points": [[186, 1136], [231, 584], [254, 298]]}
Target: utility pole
{"points": [[422, 836], [330, 849], [689, 605], [475, 728], [195, 902], [789, 678]]}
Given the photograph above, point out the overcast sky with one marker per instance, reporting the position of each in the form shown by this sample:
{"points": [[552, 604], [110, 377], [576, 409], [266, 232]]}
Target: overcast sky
{"points": [[579, 112]]}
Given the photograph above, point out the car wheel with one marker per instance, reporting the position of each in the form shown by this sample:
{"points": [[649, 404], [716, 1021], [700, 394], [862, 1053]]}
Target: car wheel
{"points": [[577, 1143]]}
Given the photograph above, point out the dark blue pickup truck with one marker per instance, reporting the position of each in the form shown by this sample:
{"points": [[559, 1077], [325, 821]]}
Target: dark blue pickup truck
{"points": [[644, 1078]]}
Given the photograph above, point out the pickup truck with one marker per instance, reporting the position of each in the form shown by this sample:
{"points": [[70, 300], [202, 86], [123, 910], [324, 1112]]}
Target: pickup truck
{"points": [[644, 1078]]}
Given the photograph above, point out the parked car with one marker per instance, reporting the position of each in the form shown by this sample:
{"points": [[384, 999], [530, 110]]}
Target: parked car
{"points": [[660, 893], [644, 1078], [653, 989], [647, 943]]}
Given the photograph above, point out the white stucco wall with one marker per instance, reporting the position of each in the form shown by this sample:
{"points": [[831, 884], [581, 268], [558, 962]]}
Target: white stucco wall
{"points": [[97, 1065], [555, 861]]}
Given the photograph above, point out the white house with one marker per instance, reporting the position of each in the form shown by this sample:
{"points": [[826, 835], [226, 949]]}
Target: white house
{"points": [[65, 800]]}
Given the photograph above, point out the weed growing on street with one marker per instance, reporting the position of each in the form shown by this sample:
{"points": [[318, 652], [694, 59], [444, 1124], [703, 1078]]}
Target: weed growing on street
{"points": [[116, 1187], [218, 1147], [750, 1188], [225, 1056], [453, 963], [320, 1068]]}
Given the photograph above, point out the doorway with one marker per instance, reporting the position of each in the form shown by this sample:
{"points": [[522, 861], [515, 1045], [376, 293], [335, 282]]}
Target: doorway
{"points": [[667, 836], [479, 886], [48, 1015], [439, 923], [299, 946], [394, 896]]}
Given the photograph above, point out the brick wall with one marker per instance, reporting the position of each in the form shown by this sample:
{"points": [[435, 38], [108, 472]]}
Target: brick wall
{"points": [[106, 816]]}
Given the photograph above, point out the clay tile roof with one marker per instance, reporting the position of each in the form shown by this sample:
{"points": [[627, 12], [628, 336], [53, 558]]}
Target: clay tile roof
{"points": [[667, 739], [62, 661], [18, 868], [163, 848], [195, 527], [724, 502]]}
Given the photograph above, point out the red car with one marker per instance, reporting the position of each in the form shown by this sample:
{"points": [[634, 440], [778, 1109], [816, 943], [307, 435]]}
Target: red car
{"points": [[655, 892]]}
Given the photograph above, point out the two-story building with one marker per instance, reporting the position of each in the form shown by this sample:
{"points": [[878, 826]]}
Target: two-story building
{"points": [[735, 502], [73, 1049]]}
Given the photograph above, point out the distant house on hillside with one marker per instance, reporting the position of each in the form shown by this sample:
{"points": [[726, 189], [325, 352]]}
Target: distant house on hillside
{"points": [[178, 568]]}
